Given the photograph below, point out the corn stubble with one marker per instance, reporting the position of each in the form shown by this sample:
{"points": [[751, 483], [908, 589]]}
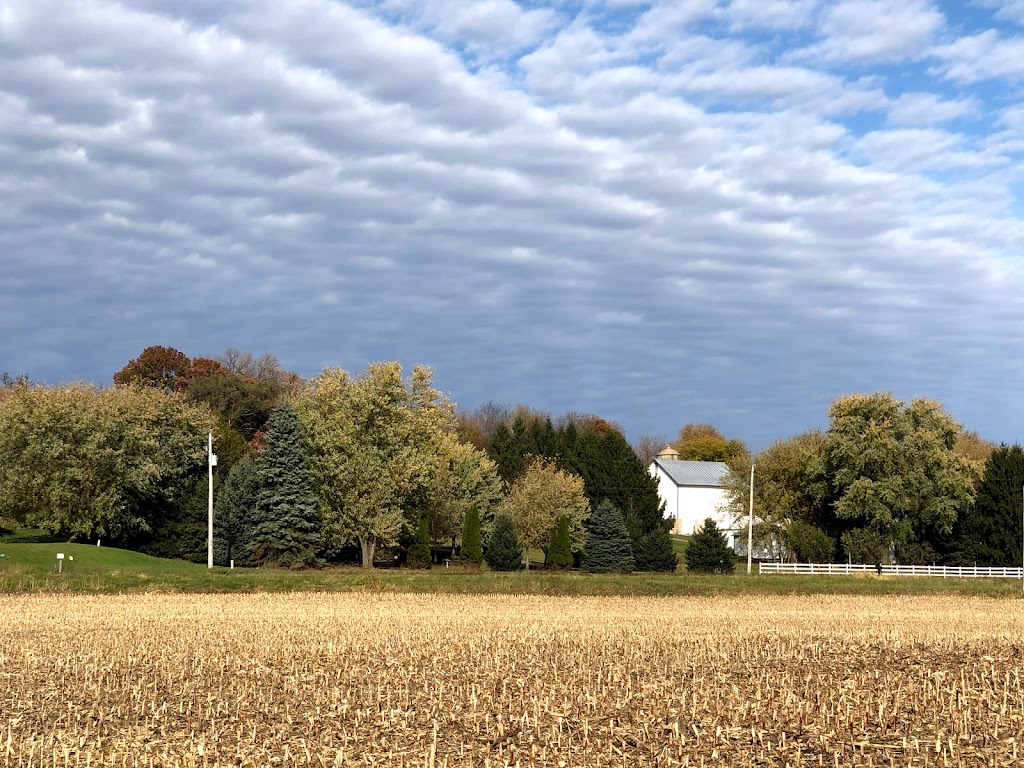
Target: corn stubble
{"points": [[445, 680]]}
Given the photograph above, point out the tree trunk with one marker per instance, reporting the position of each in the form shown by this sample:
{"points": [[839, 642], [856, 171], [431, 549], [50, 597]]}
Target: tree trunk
{"points": [[368, 544]]}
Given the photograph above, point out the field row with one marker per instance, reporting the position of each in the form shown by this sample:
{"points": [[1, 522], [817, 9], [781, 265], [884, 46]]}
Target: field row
{"points": [[433, 680]]}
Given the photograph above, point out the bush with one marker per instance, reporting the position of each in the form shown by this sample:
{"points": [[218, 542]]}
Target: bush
{"points": [[504, 553], [559, 553], [653, 551], [708, 551], [419, 552], [608, 546], [862, 545], [809, 543], [472, 543]]}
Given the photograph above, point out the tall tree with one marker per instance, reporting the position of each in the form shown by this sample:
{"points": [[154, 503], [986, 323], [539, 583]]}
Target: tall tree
{"points": [[82, 461], [158, 367], [647, 448], [244, 403], [894, 468], [702, 442], [990, 531], [287, 528], [235, 512], [374, 440], [460, 477], [542, 495], [608, 546], [559, 554]]}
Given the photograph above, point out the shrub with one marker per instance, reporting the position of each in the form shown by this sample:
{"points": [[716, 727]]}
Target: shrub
{"points": [[419, 552], [504, 553], [560, 550], [708, 551], [472, 544]]}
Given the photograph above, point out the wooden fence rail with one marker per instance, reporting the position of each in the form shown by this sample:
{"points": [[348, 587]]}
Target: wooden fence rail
{"points": [[945, 571]]}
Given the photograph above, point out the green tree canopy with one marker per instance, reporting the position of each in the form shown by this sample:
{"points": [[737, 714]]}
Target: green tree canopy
{"points": [[77, 460], [374, 441], [235, 513], [894, 467], [990, 532]]}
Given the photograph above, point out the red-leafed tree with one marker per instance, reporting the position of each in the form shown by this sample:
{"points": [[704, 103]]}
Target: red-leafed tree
{"points": [[159, 367]]}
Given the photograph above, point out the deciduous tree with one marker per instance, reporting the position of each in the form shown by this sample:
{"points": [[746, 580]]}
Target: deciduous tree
{"points": [[702, 442], [895, 467], [158, 367], [539, 497], [374, 440]]}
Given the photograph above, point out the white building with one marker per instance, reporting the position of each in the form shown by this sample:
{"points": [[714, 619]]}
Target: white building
{"points": [[692, 491]]}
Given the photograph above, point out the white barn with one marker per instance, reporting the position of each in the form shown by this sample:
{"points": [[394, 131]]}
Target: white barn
{"points": [[692, 491]]}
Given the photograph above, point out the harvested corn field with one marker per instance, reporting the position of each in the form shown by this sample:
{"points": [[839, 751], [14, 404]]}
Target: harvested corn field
{"points": [[435, 680]]}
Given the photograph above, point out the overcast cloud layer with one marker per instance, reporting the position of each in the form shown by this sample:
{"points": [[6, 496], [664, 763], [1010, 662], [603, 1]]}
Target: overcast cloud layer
{"points": [[661, 212]]}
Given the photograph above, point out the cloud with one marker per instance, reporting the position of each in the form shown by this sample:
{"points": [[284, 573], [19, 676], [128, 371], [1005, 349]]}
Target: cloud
{"points": [[868, 31], [762, 205]]}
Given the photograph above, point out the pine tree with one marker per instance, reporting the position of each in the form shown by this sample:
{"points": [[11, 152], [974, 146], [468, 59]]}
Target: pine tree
{"points": [[708, 551], [990, 531], [608, 547], [419, 552], [234, 513], [472, 544], [654, 551], [559, 554], [504, 552], [287, 530]]}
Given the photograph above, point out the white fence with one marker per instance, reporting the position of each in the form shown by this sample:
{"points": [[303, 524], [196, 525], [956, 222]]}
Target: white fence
{"points": [[840, 569]]}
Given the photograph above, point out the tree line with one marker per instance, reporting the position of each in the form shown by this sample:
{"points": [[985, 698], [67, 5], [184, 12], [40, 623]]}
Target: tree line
{"points": [[888, 481], [376, 467]]}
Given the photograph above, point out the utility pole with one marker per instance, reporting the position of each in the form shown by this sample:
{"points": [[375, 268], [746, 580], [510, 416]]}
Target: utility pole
{"points": [[750, 524], [211, 463]]}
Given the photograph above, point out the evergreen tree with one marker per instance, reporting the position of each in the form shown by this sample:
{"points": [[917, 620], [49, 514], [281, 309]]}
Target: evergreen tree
{"points": [[419, 552], [472, 544], [608, 546], [504, 552], [233, 513], [287, 530], [708, 551], [654, 551], [990, 531], [559, 554]]}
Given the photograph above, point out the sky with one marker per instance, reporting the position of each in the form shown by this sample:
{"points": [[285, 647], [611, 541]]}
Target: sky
{"points": [[696, 211]]}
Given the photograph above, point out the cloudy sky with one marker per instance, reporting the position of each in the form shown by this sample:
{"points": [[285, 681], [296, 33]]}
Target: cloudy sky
{"points": [[724, 211]]}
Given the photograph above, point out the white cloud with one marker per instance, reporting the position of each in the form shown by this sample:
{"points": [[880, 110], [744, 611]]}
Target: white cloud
{"points": [[925, 109], [983, 56], [866, 31]]}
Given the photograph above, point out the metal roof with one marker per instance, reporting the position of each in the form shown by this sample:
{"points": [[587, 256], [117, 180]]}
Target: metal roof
{"points": [[709, 474]]}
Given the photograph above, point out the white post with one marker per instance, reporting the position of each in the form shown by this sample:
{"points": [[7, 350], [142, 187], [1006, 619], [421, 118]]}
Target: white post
{"points": [[1022, 541], [750, 524], [209, 539]]}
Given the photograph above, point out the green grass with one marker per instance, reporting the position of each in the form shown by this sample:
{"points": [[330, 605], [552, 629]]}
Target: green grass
{"points": [[31, 567]]}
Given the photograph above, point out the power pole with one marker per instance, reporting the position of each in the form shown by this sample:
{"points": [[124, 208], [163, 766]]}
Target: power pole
{"points": [[211, 463], [750, 524]]}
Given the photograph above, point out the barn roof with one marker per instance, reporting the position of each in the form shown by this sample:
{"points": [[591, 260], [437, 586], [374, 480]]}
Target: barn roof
{"points": [[709, 474]]}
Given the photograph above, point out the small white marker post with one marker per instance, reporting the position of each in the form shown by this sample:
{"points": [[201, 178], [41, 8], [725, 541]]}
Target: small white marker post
{"points": [[60, 562]]}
